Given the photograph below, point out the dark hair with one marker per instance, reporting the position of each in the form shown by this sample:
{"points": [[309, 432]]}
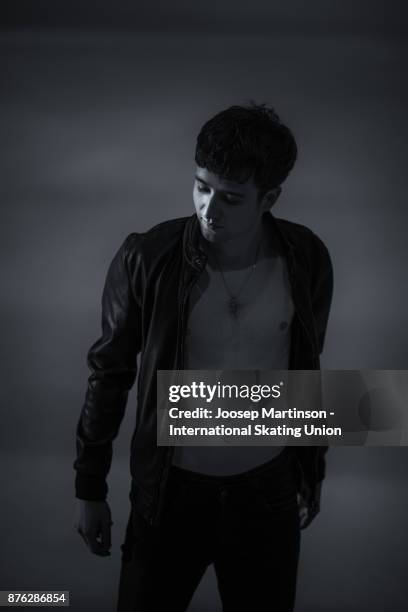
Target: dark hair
{"points": [[247, 141]]}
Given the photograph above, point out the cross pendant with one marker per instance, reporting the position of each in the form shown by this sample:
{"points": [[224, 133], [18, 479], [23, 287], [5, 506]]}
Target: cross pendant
{"points": [[233, 307]]}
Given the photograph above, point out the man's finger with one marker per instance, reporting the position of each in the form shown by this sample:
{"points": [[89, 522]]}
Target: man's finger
{"points": [[311, 513], [303, 516], [106, 536], [96, 546], [83, 536]]}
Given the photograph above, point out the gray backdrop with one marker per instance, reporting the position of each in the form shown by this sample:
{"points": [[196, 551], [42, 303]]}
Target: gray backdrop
{"points": [[100, 109]]}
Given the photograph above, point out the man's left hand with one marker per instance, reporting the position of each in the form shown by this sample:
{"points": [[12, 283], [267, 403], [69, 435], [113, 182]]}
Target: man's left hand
{"points": [[309, 504]]}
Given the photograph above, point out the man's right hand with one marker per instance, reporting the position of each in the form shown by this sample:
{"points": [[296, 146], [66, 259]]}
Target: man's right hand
{"points": [[93, 522]]}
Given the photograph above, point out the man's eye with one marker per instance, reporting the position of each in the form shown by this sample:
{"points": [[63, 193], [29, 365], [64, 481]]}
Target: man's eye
{"points": [[202, 188], [232, 199]]}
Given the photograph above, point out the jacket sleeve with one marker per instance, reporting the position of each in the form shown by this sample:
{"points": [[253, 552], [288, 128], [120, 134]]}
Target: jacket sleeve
{"points": [[112, 360], [322, 294], [321, 289]]}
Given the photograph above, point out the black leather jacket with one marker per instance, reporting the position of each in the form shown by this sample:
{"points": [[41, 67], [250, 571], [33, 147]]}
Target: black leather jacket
{"points": [[144, 311]]}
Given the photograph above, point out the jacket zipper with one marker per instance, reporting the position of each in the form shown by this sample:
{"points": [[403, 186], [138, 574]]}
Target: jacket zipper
{"points": [[170, 450], [299, 316], [301, 320]]}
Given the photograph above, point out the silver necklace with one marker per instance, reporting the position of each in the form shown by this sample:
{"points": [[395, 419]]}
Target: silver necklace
{"points": [[233, 304]]}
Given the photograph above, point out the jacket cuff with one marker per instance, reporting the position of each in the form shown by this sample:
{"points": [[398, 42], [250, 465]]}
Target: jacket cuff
{"points": [[92, 488]]}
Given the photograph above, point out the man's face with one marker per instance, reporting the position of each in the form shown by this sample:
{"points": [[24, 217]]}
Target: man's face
{"points": [[225, 209]]}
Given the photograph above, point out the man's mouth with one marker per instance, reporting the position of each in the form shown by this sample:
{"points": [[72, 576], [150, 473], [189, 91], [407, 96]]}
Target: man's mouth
{"points": [[212, 226]]}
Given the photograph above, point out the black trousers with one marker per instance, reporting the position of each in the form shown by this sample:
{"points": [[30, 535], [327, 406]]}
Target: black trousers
{"points": [[247, 525]]}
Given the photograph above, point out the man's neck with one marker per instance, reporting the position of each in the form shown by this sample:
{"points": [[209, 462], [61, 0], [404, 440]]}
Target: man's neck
{"points": [[242, 252]]}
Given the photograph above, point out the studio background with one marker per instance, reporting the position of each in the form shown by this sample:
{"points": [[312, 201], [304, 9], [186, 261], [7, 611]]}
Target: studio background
{"points": [[100, 108]]}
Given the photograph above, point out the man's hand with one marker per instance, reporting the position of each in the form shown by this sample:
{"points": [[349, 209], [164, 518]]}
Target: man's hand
{"points": [[309, 504], [93, 522]]}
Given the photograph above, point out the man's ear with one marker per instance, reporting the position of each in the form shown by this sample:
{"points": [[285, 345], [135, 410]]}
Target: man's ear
{"points": [[270, 197]]}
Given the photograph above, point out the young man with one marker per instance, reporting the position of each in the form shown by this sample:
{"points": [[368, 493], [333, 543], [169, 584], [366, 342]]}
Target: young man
{"points": [[230, 287]]}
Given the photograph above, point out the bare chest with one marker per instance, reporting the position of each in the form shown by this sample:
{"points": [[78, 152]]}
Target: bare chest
{"points": [[255, 333]]}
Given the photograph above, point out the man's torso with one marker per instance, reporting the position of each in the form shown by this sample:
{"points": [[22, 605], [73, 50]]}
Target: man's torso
{"points": [[257, 338]]}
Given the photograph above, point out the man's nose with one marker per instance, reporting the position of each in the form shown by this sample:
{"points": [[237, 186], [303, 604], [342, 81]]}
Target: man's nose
{"points": [[212, 208]]}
